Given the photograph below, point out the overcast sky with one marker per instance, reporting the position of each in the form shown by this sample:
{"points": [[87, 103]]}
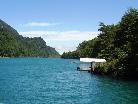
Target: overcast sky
{"points": [[63, 24]]}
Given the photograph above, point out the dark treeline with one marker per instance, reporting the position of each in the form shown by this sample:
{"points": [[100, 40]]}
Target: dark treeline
{"points": [[14, 45], [117, 43]]}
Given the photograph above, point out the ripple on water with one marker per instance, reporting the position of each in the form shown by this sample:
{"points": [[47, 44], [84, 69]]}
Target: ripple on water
{"points": [[56, 81]]}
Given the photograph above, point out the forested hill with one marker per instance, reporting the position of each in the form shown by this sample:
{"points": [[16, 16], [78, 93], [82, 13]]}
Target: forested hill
{"points": [[14, 45], [117, 43]]}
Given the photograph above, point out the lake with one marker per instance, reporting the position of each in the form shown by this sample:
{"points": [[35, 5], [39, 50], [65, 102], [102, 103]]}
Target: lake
{"points": [[57, 81]]}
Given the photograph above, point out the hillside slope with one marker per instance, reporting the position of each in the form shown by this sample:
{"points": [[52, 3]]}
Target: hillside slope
{"points": [[118, 44], [14, 45]]}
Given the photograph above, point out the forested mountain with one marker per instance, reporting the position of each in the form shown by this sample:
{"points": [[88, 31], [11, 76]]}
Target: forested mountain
{"points": [[14, 45], [117, 43]]}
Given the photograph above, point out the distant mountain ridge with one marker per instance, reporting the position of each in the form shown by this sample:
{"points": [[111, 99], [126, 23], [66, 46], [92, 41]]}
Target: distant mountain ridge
{"points": [[14, 45]]}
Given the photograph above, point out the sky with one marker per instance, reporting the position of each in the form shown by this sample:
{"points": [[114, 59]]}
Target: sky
{"points": [[63, 24]]}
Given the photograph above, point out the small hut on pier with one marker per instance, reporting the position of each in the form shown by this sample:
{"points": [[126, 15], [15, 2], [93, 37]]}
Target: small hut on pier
{"points": [[88, 64]]}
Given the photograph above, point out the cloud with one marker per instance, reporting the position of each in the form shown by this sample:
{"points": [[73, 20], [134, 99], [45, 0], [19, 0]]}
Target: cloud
{"points": [[61, 35], [63, 48], [63, 41], [40, 24]]}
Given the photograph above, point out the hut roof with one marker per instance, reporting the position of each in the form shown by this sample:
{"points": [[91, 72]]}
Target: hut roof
{"points": [[92, 60]]}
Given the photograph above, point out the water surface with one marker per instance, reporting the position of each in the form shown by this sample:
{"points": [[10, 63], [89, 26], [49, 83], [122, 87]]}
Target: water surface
{"points": [[56, 81]]}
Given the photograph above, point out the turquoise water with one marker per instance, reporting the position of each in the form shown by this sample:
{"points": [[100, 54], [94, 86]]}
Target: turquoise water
{"points": [[56, 81]]}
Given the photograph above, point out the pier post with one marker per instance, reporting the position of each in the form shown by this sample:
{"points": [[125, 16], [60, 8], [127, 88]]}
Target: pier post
{"points": [[91, 67]]}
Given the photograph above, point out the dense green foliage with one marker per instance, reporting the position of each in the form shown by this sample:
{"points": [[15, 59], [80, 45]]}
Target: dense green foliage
{"points": [[117, 43], [14, 45]]}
